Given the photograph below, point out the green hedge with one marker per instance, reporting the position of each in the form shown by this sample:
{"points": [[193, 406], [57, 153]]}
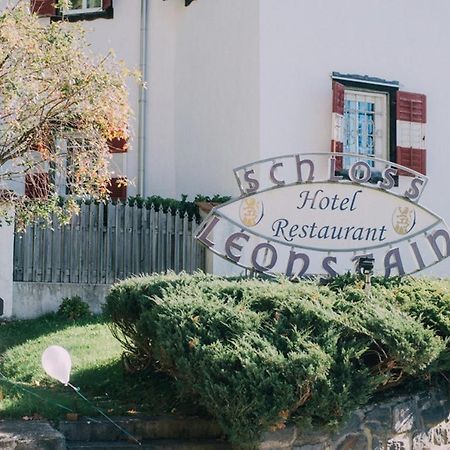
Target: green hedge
{"points": [[181, 207], [174, 206], [256, 353]]}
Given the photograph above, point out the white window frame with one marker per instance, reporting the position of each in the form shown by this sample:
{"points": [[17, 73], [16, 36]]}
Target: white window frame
{"points": [[84, 9], [381, 132], [64, 147]]}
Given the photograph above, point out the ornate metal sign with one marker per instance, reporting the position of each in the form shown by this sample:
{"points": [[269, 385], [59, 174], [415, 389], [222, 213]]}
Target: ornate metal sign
{"points": [[296, 216]]}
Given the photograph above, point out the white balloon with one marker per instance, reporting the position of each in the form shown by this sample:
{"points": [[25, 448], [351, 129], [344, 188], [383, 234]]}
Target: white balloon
{"points": [[57, 363]]}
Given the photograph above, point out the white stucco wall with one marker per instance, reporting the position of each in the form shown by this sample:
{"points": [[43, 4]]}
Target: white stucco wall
{"points": [[202, 91], [216, 94], [33, 300], [160, 151], [234, 81], [6, 265], [116, 34], [301, 43]]}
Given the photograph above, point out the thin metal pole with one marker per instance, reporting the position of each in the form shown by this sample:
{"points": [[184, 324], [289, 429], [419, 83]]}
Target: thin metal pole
{"points": [[142, 122]]}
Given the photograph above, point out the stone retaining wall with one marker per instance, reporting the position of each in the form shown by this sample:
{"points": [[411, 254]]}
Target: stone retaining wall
{"points": [[421, 422]]}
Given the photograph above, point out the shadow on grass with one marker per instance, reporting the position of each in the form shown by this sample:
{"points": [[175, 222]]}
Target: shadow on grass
{"points": [[19, 398], [153, 393], [105, 384], [107, 387], [16, 332], [22, 401]]}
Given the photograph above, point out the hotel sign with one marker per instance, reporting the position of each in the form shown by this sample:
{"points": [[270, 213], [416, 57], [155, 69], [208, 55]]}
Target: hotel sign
{"points": [[296, 217]]}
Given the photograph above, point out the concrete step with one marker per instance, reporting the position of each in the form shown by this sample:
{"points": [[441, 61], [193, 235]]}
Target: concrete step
{"points": [[141, 427], [30, 435], [158, 444]]}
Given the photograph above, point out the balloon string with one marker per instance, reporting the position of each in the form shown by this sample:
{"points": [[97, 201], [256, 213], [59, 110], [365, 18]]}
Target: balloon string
{"points": [[34, 393], [50, 402], [77, 390]]}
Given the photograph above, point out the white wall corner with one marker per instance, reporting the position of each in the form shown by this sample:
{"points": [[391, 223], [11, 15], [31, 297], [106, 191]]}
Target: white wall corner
{"points": [[6, 272]]}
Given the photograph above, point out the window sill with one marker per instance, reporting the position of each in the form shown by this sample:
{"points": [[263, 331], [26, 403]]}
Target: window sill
{"points": [[107, 14]]}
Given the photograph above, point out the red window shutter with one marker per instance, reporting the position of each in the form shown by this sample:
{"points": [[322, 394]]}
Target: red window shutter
{"points": [[338, 97], [36, 185], [118, 145], [337, 121], [107, 4], [411, 107], [118, 191], [413, 158], [411, 120], [43, 7]]}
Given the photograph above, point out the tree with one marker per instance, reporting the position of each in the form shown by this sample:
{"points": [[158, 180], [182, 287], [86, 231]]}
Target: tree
{"points": [[54, 90]]}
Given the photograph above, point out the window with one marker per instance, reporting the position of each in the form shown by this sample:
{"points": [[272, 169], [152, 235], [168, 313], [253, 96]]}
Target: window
{"points": [[365, 125], [69, 147], [84, 6], [79, 9], [372, 117], [37, 185], [59, 179], [117, 186]]}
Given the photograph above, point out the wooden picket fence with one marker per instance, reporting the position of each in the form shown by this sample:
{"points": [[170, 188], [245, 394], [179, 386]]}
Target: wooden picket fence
{"points": [[106, 243]]}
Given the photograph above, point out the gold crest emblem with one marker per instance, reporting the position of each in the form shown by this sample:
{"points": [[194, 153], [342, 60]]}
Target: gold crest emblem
{"points": [[403, 219], [251, 211]]}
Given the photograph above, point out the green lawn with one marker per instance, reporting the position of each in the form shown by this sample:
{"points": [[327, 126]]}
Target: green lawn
{"points": [[96, 370]]}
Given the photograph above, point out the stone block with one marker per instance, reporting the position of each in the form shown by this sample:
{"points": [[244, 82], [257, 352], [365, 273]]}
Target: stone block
{"points": [[437, 438], [311, 438], [280, 439], [446, 405], [422, 441], [352, 426], [31, 435], [404, 417], [353, 442], [424, 400], [378, 443], [379, 428], [379, 420], [310, 447], [434, 414], [399, 444], [440, 435], [382, 415]]}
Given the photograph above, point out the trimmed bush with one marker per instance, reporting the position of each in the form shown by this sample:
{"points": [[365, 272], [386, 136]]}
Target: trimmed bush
{"points": [[74, 308], [256, 353]]}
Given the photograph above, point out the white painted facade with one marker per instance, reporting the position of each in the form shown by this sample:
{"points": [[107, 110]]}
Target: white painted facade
{"points": [[235, 81], [6, 272]]}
